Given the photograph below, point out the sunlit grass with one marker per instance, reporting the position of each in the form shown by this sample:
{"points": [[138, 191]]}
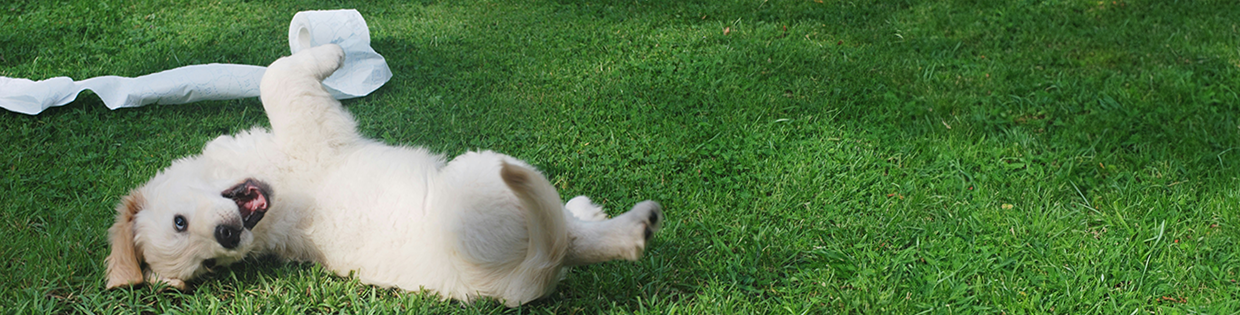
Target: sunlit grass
{"points": [[835, 157]]}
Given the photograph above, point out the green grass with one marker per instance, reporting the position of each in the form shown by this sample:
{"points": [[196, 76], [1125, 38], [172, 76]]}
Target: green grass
{"points": [[881, 157]]}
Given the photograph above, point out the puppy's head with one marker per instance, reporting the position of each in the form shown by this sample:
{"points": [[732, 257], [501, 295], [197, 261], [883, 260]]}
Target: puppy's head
{"points": [[180, 223]]}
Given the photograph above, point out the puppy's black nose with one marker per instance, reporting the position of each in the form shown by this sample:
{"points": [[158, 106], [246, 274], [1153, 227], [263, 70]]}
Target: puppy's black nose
{"points": [[228, 236]]}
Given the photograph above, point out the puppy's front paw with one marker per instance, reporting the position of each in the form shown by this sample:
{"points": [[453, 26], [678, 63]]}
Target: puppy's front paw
{"points": [[323, 60], [170, 282]]}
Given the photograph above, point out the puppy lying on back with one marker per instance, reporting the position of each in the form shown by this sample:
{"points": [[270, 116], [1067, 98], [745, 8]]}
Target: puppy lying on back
{"points": [[312, 189]]}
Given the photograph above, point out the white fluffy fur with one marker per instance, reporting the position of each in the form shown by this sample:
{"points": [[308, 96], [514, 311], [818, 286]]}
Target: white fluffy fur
{"points": [[483, 224]]}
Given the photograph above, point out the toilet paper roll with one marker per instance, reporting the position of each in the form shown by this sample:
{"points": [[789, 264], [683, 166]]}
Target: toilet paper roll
{"points": [[363, 71]]}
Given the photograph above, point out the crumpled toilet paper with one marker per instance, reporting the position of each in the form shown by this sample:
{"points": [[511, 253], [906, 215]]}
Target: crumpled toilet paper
{"points": [[363, 71]]}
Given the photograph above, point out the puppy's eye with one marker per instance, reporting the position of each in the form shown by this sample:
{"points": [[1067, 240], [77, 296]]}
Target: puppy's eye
{"points": [[179, 223]]}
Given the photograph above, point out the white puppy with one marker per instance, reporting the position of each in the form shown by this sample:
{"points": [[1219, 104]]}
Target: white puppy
{"points": [[312, 189]]}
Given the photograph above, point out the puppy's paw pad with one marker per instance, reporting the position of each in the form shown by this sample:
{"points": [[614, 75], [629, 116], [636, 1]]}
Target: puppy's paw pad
{"points": [[653, 218], [649, 217]]}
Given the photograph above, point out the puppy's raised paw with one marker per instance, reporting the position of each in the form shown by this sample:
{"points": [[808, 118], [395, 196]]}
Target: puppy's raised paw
{"points": [[319, 61], [323, 60]]}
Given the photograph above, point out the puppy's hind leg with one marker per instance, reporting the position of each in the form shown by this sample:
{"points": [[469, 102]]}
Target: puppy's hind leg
{"points": [[305, 118], [583, 209], [622, 237]]}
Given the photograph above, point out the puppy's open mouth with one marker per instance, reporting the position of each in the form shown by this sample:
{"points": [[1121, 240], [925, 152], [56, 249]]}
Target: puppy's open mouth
{"points": [[252, 198]]}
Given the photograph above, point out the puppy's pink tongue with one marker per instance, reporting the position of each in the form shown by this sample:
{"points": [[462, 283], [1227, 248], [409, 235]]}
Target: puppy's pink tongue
{"points": [[252, 210], [258, 202]]}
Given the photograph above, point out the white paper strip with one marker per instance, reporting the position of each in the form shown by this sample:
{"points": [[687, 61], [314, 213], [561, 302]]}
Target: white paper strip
{"points": [[363, 71]]}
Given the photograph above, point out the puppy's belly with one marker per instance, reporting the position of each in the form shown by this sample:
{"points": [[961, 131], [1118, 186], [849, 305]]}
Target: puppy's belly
{"points": [[371, 218]]}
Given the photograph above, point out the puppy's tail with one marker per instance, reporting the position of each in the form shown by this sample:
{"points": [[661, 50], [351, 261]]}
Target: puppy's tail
{"points": [[547, 228], [544, 216]]}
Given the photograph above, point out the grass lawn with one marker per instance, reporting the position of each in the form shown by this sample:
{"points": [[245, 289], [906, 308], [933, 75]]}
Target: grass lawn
{"points": [[812, 156]]}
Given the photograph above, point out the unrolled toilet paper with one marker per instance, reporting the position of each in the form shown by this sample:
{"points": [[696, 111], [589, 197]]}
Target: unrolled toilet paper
{"points": [[363, 71]]}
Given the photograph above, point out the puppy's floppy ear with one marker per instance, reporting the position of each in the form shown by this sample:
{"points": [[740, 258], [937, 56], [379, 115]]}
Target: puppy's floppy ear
{"points": [[125, 262]]}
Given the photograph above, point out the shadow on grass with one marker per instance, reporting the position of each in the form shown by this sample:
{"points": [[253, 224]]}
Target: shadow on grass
{"points": [[1104, 81]]}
